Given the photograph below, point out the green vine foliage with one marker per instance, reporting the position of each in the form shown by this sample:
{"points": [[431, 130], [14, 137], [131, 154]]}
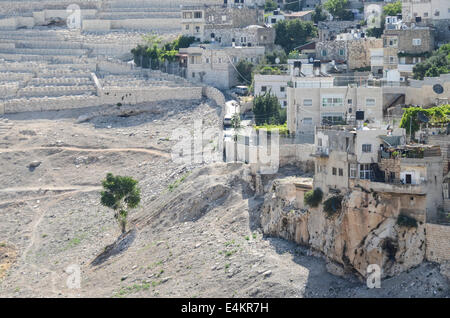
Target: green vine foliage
{"points": [[437, 115]]}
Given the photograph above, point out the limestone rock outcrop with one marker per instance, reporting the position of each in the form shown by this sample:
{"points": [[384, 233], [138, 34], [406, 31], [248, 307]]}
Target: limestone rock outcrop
{"points": [[363, 232]]}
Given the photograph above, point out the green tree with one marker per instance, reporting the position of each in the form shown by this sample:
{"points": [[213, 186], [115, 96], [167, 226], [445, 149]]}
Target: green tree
{"points": [[245, 70], [392, 9], [337, 8], [267, 110], [183, 41], [270, 5], [438, 63], [120, 194], [293, 33], [318, 14], [437, 115], [154, 52]]}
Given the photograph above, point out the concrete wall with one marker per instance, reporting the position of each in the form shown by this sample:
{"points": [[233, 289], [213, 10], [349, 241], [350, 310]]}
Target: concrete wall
{"points": [[437, 243]]}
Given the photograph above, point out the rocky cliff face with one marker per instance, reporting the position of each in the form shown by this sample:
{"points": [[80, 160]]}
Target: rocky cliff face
{"points": [[362, 232]]}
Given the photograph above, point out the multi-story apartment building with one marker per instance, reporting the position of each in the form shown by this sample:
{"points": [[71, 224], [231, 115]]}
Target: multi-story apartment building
{"points": [[300, 69], [380, 161], [316, 101]]}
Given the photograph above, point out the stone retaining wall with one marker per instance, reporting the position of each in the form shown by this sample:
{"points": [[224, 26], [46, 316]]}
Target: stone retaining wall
{"points": [[437, 243]]}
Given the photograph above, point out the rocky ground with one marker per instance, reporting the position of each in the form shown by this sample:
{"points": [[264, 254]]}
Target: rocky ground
{"points": [[195, 234]]}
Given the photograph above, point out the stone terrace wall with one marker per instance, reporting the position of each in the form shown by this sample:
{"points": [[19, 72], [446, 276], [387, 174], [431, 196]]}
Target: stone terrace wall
{"points": [[437, 243], [110, 97]]}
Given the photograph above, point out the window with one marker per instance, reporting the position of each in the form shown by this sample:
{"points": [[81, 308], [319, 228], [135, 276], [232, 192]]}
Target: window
{"points": [[391, 59], [307, 102], [197, 15], [192, 58], [341, 52], [437, 13], [224, 18], [211, 18], [364, 171], [332, 119], [350, 101], [243, 39], [187, 15], [193, 74], [334, 171], [187, 26], [284, 103], [197, 29], [353, 171], [319, 142], [417, 42], [425, 14], [307, 121], [370, 102], [207, 60], [220, 60], [341, 172], [332, 101], [393, 42], [324, 53], [263, 88], [366, 148], [282, 89]]}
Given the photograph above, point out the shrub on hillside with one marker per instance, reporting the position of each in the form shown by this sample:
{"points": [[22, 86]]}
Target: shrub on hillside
{"points": [[313, 197], [407, 221], [332, 205]]}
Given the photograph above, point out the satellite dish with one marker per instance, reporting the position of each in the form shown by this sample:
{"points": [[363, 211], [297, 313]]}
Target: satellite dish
{"points": [[277, 60], [438, 89]]}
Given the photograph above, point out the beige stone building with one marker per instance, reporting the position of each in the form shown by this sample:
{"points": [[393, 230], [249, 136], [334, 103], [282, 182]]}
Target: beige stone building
{"points": [[215, 65], [435, 13], [353, 50], [202, 21], [404, 47]]}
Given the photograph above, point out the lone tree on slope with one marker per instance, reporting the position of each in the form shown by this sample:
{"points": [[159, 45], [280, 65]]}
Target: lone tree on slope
{"points": [[120, 194]]}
